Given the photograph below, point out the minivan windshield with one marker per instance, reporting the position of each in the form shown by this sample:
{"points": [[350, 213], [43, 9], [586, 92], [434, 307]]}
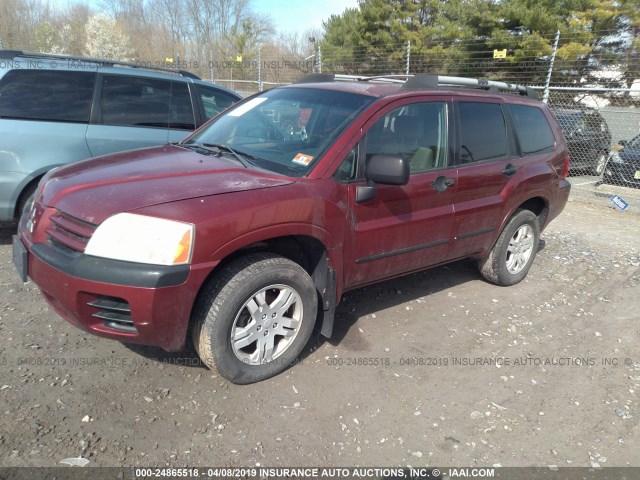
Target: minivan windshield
{"points": [[283, 130]]}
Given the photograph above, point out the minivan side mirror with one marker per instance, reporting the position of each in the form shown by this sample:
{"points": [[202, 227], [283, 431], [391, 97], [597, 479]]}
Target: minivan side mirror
{"points": [[385, 170]]}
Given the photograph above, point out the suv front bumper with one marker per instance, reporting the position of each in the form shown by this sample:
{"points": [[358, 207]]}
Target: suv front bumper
{"points": [[124, 301]]}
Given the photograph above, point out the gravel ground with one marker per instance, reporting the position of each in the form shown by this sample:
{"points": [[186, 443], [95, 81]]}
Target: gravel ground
{"points": [[437, 368], [591, 189]]}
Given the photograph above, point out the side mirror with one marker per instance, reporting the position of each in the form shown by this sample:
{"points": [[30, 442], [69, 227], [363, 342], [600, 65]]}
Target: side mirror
{"points": [[385, 170]]}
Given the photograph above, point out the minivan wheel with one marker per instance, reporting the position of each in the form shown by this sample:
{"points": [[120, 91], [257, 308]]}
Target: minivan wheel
{"points": [[600, 164], [26, 200], [512, 255], [253, 319]]}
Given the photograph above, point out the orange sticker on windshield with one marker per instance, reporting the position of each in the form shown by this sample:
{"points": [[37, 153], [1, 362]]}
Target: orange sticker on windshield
{"points": [[302, 159]]}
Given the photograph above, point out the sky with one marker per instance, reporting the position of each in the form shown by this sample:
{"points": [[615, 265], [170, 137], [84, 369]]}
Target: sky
{"points": [[288, 15], [301, 15]]}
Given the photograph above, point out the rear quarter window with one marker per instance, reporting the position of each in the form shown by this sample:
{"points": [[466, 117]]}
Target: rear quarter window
{"points": [[214, 101], [60, 96], [532, 128], [180, 108]]}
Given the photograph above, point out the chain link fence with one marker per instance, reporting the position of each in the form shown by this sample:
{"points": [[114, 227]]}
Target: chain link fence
{"points": [[602, 130], [601, 124], [595, 98]]}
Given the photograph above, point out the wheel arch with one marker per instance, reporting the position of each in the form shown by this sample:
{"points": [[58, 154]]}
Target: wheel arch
{"points": [[538, 205], [319, 257], [23, 189]]}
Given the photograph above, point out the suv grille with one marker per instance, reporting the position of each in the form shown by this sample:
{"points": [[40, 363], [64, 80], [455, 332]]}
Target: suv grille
{"points": [[114, 312], [69, 233]]}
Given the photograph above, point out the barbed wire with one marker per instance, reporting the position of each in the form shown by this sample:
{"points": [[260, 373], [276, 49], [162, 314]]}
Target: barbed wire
{"points": [[461, 57]]}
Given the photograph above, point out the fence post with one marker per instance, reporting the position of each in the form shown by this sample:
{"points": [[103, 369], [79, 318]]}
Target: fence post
{"points": [[211, 64], [259, 67], [545, 97], [408, 57], [319, 59]]}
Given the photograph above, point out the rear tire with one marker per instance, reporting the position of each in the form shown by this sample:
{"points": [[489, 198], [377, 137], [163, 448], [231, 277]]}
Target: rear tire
{"points": [[253, 319], [513, 253]]}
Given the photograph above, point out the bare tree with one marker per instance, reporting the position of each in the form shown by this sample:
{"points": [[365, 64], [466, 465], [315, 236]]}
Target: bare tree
{"points": [[18, 22], [72, 22]]}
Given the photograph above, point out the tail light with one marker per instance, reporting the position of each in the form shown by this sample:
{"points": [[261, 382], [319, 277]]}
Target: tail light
{"points": [[565, 168]]}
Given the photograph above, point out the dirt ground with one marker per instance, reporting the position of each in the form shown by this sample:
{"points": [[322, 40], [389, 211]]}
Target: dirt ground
{"points": [[438, 368]]}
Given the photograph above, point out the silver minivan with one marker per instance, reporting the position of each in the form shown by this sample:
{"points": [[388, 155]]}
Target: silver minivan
{"points": [[58, 109]]}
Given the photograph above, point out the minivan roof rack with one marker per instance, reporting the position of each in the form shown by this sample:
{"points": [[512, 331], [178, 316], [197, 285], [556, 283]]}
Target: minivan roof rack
{"points": [[10, 54], [426, 81]]}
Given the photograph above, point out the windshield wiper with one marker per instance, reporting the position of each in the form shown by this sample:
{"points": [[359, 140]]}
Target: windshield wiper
{"points": [[217, 148]]}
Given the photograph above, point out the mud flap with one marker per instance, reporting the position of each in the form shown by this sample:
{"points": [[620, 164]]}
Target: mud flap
{"points": [[325, 279]]}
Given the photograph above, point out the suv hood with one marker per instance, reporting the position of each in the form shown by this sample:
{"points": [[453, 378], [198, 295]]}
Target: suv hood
{"points": [[95, 189]]}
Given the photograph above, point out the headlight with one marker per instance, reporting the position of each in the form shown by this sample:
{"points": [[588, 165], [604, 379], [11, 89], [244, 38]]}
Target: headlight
{"points": [[615, 158], [138, 238]]}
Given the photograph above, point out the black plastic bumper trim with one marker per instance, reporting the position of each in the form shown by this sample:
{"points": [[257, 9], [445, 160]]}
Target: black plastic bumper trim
{"points": [[462, 236], [20, 258], [565, 185], [106, 270]]}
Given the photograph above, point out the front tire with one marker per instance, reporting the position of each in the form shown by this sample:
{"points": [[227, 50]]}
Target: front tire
{"points": [[253, 319], [513, 254]]}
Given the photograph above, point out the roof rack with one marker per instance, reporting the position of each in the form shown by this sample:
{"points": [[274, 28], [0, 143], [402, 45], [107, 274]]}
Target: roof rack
{"points": [[425, 81], [10, 54]]}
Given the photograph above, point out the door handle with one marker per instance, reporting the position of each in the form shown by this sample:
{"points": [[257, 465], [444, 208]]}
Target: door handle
{"points": [[441, 183], [509, 170]]}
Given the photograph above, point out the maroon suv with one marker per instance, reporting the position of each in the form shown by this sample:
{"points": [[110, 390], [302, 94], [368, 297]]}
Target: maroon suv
{"points": [[247, 233]]}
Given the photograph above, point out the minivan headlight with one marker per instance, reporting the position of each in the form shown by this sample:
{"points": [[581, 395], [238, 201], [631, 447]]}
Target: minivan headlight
{"points": [[139, 238]]}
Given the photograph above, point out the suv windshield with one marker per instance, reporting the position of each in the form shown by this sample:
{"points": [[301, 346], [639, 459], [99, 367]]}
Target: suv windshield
{"points": [[284, 130]]}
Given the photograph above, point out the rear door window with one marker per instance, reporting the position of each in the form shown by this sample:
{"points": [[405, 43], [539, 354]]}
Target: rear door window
{"points": [[60, 96], [483, 132], [532, 129], [135, 101]]}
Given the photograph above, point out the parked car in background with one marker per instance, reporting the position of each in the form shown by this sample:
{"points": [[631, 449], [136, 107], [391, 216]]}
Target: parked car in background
{"points": [[588, 138], [57, 109], [286, 201], [623, 167]]}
